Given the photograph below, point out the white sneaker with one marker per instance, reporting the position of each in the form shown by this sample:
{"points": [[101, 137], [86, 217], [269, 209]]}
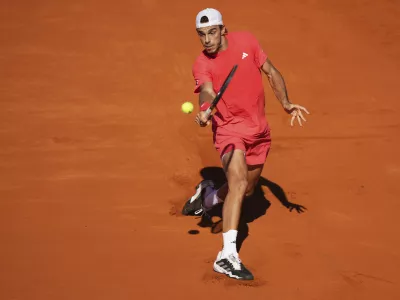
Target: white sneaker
{"points": [[232, 266]]}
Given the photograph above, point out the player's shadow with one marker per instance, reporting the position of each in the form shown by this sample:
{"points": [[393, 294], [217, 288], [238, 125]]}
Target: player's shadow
{"points": [[253, 207]]}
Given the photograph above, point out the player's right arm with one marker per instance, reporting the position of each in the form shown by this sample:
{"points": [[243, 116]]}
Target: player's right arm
{"points": [[206, 96], [207, 93], [204, 88]]}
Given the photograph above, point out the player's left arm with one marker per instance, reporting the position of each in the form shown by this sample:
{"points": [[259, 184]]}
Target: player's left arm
{"points": [[279, 88]]}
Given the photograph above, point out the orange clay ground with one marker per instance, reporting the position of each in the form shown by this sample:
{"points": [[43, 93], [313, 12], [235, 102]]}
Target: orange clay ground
{"points": [[97, 158]]}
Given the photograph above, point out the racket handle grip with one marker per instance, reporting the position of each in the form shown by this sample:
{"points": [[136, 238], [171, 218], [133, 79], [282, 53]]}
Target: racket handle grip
{"points": [[208, 112]]}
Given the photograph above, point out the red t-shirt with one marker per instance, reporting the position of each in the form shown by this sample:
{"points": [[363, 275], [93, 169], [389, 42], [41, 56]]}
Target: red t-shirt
{"points": [[241, 110]]}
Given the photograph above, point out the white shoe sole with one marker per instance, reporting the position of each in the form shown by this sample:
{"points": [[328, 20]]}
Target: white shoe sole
{"points": [[223, 271]]}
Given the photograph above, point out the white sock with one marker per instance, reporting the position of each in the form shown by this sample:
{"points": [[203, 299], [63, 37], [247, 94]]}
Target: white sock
{"points": [[229, 242], [211, 198]]}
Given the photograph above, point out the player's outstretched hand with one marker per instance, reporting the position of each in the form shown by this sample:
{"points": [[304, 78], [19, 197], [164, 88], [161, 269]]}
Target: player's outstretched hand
{"points": [[202, 119], [297, 113]]}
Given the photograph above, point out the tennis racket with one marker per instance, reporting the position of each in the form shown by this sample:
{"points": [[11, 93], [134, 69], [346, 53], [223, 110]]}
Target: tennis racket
{"points": [[221, 91]]}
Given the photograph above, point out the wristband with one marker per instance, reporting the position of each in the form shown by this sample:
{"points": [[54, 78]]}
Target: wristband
{"points": [[205, 106]]}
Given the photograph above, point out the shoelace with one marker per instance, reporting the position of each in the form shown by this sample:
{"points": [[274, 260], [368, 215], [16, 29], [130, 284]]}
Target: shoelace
{"points": [[236, 260]]}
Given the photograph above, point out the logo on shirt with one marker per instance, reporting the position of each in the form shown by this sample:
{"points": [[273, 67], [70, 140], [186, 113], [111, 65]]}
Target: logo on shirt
{"points": [[197, 82], [244, 55]]}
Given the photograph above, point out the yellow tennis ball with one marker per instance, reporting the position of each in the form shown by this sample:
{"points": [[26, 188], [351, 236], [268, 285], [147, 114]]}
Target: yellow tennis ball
{"points": [[187, 107]]}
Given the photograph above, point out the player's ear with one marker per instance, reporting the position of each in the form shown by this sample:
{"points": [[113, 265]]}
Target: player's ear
{"points": [[223, 29]]}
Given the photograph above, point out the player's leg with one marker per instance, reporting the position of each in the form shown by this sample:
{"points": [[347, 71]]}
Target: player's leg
{"points": [[232, 157], [255, 159], [228, 261], [206, 196], [242, 180], [225, 145], [256, 155], [236, 173], [253, 176]]}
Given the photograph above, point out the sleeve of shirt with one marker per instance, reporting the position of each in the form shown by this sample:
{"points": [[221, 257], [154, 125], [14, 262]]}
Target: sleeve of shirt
{"points": [[201, 74], [259, 55]]}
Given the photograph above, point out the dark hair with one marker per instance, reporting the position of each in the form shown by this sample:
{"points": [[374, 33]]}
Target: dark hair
{"points": [[222, 26]]}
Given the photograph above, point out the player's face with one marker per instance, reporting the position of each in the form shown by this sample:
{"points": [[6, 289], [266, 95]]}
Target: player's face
{"points": [[210, 38]]}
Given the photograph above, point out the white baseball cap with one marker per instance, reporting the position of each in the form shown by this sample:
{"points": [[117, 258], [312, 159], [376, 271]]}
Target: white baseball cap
{"points": [[214, 18]]}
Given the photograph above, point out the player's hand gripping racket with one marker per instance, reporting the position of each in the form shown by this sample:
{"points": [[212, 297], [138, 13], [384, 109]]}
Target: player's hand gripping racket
{"points": [[221, 92]]}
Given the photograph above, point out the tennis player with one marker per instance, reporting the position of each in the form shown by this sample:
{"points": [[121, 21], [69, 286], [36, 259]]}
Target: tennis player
{"points": [[241, 133]]}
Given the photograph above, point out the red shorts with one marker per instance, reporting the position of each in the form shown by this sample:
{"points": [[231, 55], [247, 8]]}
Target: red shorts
{"points": [[255, 148]]}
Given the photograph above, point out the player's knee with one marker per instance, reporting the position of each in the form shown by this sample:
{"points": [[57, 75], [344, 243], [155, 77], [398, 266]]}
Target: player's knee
{"points": [[239, 185]]}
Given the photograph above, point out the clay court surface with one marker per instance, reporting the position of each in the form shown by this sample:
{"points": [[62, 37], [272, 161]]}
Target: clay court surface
{"points": [[97, 159]]}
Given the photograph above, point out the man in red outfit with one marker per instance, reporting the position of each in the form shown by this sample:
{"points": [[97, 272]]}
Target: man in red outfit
{"points": [[241, 133]]}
